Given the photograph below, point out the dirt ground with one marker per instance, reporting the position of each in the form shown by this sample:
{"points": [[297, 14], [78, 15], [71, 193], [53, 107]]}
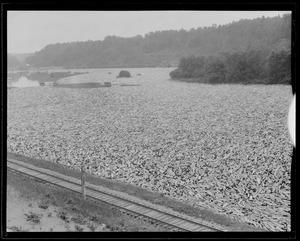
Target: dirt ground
{"points": [[36, 216]]}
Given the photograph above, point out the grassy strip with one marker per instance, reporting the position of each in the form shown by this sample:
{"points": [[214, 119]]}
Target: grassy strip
{"points": [[141, 193]]}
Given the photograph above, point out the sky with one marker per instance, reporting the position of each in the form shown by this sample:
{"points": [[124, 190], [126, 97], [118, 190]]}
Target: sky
{"points": [[30, 31]]}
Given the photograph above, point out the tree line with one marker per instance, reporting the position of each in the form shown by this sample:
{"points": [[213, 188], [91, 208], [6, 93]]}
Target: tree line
{"points": [[165, 48], [248, 67]]}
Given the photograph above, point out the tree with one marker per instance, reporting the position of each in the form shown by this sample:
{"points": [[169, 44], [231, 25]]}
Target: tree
{"points": [[215, 69], [124, 74], [279, 67], [156, 47], [229, 67], [245, 67]]}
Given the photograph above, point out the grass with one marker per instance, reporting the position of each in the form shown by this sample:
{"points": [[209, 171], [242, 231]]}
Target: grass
{"points": [[153, 197]]}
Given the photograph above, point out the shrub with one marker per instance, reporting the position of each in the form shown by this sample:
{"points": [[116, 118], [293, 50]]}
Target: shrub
{"points": [[124, 74], [78, 219], [63, 215], [33, 217], [43, 204], [92, 227], [16, 229], [69, 201], [95, 219], [78, 228]]}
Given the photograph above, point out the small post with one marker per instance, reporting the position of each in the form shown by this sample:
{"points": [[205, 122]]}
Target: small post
{"points": [[83, 183]]}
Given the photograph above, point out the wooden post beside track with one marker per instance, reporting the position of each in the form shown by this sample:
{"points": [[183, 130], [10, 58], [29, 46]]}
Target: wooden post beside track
{"points": [[83, 183]]}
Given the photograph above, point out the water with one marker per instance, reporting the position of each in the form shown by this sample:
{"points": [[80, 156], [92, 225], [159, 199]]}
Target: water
{"points": [[219, 128], [110, 75], [98, 75], [23, 82]]}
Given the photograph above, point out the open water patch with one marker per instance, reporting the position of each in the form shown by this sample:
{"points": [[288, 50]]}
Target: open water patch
{"points": [[23, 82]]}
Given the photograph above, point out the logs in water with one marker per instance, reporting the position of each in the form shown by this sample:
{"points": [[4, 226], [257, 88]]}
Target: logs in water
{"points": [[222, 147]]}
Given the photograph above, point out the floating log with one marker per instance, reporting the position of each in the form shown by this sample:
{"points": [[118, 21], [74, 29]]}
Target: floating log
{"points": [[85, 85], [129, 85]]}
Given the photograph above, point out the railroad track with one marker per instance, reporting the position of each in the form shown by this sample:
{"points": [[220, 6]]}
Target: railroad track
{"points": [[127, 204]]}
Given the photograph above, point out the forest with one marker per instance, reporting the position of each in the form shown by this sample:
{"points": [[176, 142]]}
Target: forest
{"points": [[249, 67], [166, 48]]}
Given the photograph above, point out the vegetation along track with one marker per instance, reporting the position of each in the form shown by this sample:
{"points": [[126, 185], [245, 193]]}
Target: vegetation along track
{"points": [[131, 206]]}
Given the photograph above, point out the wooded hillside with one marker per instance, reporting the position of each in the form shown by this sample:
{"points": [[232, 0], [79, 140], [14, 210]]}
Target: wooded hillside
{"points": [[165, 48]]}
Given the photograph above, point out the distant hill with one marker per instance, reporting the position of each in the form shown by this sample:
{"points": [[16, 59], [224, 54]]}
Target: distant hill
{"points": [[165, 48], [13, 63], [16, 61], [21, 56]]}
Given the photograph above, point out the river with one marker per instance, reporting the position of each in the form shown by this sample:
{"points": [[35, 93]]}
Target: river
{"points": [[96, 75]]}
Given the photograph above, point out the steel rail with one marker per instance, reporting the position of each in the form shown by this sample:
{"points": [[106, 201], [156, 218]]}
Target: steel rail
{"points": [[131, 206]]}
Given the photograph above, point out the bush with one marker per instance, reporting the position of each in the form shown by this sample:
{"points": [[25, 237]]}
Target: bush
{"points": [[43, 204], [124, 74], [78, 228], [33, 217], [79, 219], [63, 215]]}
